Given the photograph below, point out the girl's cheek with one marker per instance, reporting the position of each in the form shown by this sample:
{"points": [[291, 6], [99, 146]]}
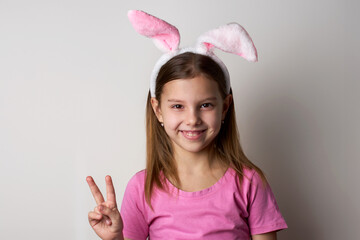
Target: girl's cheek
{"points": [[213, 118], [172, 120]]}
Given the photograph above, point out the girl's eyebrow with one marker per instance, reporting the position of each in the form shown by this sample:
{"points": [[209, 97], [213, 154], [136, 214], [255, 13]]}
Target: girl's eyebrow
{"points": [[203, 100], [174, 100]]}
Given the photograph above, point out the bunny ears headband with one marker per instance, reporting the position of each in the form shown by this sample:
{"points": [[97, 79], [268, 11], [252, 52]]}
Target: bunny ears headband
{"points": [[231, 38]]}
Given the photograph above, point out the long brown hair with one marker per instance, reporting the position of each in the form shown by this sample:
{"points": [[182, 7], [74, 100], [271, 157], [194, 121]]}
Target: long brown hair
{"points": [[226, 145]]}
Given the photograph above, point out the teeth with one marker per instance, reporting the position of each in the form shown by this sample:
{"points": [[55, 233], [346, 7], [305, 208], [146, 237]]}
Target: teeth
{"points": [[192, 134]]}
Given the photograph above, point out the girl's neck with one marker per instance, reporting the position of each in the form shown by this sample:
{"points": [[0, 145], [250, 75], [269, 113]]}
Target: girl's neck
{"points": [[197, 171], [189, 163]]}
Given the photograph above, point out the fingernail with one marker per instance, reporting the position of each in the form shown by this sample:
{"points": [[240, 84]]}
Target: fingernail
{"points": [[101, 208], [108, 222]]}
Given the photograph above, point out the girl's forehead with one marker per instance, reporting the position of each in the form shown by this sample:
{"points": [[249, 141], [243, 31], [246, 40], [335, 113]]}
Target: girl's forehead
{"points": [[199, 86]]}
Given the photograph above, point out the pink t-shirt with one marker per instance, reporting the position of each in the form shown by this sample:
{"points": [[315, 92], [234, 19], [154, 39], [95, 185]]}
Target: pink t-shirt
{"points": [[226, 210]]}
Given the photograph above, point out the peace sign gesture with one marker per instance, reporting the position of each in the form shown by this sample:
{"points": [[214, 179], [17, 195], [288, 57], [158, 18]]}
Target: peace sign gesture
{"points": [[105, 219]]}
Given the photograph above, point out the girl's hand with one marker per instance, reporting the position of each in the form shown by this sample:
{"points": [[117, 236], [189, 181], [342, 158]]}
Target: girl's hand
{"points": [[105, 219]]}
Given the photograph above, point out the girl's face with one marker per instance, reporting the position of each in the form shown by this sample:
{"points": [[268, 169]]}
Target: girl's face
{"points": [[191, 111]]}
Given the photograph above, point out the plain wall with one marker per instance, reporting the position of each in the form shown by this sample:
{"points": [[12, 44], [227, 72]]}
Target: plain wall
{"points": [[73, 87]]}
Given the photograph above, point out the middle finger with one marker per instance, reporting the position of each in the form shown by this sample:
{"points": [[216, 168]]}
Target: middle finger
{"points": [[110, 191]]}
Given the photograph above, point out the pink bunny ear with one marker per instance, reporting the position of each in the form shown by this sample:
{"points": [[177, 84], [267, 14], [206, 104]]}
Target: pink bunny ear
{"points": [[165, 36], [231, 38]]}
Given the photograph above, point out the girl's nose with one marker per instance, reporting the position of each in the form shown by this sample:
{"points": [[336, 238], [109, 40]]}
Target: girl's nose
{"points": [[193, 118]]}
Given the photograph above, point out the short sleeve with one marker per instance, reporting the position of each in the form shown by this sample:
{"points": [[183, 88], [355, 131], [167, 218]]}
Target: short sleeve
{"points": [[133, 209], [264, 213]]}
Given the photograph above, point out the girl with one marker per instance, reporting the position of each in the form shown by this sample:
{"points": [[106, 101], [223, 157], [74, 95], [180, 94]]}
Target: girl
{"points": [[198, 183]]}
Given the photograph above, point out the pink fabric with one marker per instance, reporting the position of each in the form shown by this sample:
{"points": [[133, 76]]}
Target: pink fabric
{"points": [[165, 35], [224, 211]]}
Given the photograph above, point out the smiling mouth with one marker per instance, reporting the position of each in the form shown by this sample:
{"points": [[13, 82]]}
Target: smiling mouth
{"points": [[192, 135]]}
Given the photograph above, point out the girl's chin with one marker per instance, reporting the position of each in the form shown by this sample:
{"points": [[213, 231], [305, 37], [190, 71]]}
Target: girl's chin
{"points": [[193, 148]]}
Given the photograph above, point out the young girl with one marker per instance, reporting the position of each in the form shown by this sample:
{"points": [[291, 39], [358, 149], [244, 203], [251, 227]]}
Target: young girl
{"points": [[198, 183]]}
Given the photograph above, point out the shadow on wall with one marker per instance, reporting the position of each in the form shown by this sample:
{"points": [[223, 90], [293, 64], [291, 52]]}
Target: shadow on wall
{"points": [[285, 137]]}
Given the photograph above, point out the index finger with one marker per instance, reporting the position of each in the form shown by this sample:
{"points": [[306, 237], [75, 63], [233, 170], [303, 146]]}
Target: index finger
{"points": [[95, 190], [110, 191]]}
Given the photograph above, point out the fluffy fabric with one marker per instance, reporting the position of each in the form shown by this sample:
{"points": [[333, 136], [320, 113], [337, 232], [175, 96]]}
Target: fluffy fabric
{"points": [[166, 37], [231, 38]]}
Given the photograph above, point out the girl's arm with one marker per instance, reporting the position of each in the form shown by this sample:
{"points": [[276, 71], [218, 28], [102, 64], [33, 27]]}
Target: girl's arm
{"points": [[265, 236]]}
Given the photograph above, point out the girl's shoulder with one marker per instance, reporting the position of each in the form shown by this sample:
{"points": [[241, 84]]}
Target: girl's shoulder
{"points": [[137, 180], [247, 173], [140, 174], [250, 177]]}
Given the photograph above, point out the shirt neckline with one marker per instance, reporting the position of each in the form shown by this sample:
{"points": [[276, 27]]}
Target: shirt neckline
{"points": [[174, 190]]}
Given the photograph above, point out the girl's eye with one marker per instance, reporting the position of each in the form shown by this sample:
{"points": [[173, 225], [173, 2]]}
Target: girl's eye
{"points": [[177, 106], [206, 105]]}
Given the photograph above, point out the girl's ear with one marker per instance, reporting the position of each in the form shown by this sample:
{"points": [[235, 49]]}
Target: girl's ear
{"points": [[226, 105], [156, 107]]}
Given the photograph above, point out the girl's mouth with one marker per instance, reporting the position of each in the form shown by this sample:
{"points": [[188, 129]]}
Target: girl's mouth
{"points": [[192, 135]]}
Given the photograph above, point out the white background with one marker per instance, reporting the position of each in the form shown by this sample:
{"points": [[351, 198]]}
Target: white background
{"points": [[73, 86]]}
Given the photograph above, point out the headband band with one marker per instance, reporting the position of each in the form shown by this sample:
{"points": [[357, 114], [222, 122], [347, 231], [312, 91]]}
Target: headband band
{"points": [[231, 38]]}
